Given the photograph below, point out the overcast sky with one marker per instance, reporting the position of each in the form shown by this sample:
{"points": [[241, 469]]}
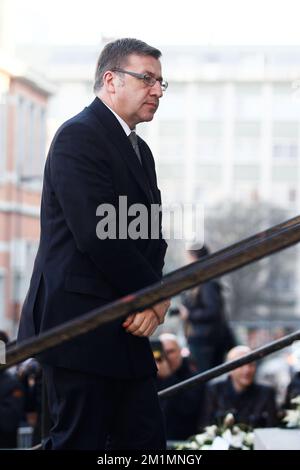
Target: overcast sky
{"points": [[205, 22]]}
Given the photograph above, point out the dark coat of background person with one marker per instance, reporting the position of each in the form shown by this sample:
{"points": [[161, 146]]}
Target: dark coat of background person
{"points": [[11, 409], [91, 161], [254, 406], [293, 390], [208, 333], [30, 376], [182, 410]]}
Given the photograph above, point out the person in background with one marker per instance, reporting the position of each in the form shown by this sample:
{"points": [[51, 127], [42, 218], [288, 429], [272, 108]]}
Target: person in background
{"points": [[181, 410], [208, 333], [249, 402], [30, 376], [11, 405], [293, 389]]}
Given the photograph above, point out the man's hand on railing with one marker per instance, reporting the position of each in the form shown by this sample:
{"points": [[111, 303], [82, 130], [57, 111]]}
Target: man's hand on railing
{"points": [[145, 323], [161, 309], [142, 323]]}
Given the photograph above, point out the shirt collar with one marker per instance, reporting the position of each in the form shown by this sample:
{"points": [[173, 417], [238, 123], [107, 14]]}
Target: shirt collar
{"points": [[124, 124]]}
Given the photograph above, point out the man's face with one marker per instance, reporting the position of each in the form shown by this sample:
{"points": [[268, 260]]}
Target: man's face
{"points": [[134, 100], [173, 354], [243, 377]]}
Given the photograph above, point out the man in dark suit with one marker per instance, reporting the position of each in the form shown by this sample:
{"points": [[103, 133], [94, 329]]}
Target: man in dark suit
{"points": [[249, 402], [101, 386]]}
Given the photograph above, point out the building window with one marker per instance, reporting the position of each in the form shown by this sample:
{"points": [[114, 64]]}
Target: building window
{"points": [[20, 135], [209, 102], [285, 149], [171, 139], [285, 106], [285, 140], [247, 141], [246, 148], [208, 148], [175, 105], [208, 140], [285, 282], [248, 101]]}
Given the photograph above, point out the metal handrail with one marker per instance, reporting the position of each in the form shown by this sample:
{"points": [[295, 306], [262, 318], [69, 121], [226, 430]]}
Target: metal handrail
{"points": [[222, 262]]}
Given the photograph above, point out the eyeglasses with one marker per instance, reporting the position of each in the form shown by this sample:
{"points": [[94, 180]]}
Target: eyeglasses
{"points": [[149, 80]]}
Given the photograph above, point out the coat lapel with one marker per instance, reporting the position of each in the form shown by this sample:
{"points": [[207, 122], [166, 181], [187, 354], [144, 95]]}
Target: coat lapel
{"points": [[149, 169], [121, 141]]}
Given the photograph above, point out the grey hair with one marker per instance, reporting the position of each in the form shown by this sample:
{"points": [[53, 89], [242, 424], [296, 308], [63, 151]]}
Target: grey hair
{"points": [[115, 54], [168, 337]]}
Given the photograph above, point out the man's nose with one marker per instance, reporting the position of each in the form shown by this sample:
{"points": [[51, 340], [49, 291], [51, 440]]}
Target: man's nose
{"points": [[156, 89]]}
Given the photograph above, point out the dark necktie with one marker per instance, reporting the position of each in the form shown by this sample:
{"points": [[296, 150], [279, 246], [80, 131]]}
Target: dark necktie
{"points": [[133, 139]]}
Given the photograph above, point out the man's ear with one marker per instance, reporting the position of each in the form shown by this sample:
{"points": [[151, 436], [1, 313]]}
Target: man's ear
{"points": [[109, 81]]}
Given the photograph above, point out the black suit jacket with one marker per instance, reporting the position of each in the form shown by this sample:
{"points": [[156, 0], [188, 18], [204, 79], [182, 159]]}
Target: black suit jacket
{"points": [[255, 406], [91, 161]]}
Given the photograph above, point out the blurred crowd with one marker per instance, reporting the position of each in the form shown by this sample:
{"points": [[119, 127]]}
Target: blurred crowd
{"points": [[20, 402], [189, 411], [186, 413], [254, 399]]}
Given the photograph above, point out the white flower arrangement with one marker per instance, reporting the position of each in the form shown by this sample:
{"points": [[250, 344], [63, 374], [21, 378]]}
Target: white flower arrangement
{"points": [[225, 437], [292, 417]]}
